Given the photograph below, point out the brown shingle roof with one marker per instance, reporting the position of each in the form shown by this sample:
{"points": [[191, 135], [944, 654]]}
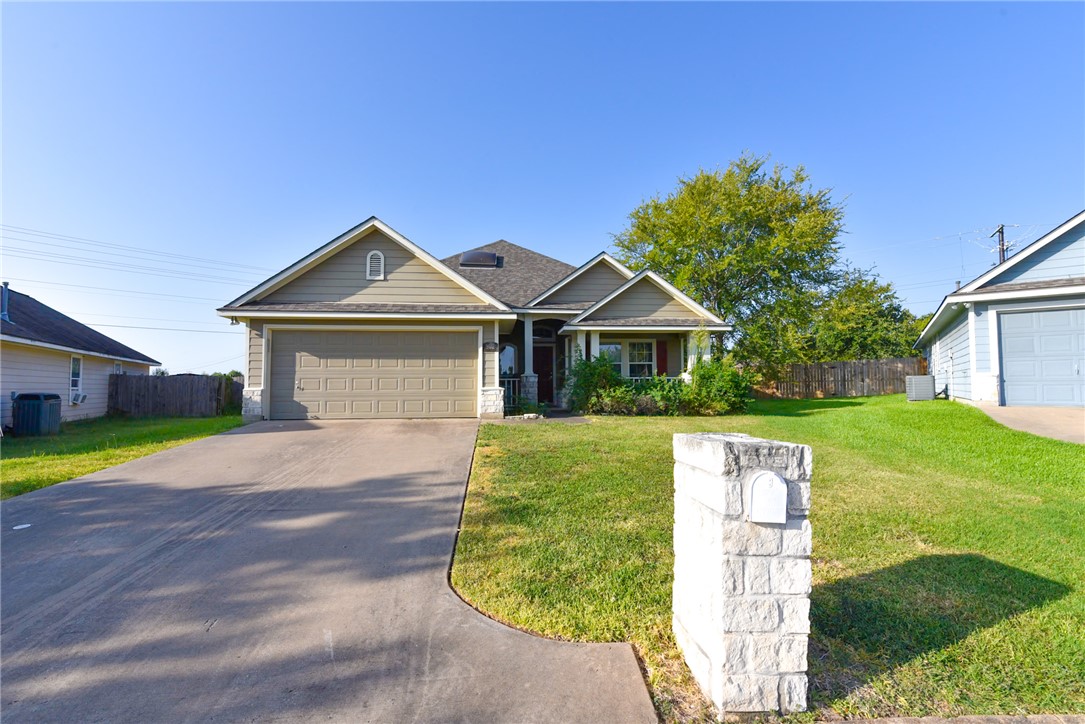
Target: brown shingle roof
{"points": [[523, 275], [35, 322]]}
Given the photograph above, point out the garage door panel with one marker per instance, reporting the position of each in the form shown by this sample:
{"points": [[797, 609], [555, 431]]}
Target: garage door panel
{"points": [[373, 374], [1043, 357]]}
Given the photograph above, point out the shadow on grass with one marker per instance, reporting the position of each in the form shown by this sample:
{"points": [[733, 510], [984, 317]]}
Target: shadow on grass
{"points": [[800, 408], [867, 625]]}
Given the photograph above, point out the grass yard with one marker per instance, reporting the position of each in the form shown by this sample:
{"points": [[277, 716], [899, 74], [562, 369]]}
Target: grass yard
{"points": [[949, 552], [29, 463]]}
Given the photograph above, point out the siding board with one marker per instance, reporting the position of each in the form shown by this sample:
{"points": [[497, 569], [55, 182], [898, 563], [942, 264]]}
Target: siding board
{"points": [[591, 286], [644, 300], [1059, 259]]}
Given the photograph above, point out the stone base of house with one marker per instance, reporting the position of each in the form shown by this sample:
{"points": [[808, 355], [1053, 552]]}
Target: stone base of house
{"points": [[493, 403], [529, 388], [252, 405]]}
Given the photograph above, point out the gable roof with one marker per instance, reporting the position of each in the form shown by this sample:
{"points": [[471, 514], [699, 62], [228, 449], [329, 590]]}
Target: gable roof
{"points": [[601, 258], [1023, 254], [343, 241], [521, 277], [31, 322], [979, 290], [582, 319]]}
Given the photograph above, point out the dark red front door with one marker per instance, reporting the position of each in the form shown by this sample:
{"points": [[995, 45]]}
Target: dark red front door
{"points": [[543, 361]]}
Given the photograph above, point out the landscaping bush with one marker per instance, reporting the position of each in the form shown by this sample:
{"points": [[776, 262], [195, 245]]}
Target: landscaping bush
{"points": [[717, 387]]}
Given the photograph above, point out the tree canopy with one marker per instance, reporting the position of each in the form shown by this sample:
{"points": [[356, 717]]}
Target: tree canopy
{"points": [[755, 245]]}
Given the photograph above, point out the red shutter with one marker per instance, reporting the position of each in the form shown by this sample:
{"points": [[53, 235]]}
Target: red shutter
{"points": [[661, 356]]}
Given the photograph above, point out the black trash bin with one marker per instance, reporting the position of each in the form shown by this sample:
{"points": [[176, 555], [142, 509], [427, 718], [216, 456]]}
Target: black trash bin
{"points": [[36, 413]]}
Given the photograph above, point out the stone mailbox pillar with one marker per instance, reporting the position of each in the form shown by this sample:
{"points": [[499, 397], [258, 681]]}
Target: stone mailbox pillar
{"points": [[742, 568]]}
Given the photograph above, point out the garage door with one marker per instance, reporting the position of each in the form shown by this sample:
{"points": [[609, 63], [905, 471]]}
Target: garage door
{"points": [[341, 375], [1043, 355]]}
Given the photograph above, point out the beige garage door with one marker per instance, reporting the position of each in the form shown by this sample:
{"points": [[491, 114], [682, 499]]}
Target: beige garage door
{"points": [[341, 375]]}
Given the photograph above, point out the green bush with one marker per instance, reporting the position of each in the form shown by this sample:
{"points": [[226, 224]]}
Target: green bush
{"points": [[717, 387]]}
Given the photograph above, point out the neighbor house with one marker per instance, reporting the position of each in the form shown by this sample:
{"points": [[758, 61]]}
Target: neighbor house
{"points": [[42, 350], [370, 325], [1015, 335]]}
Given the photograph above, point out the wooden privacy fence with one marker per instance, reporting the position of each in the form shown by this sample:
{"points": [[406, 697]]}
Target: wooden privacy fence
{"points": [[172, 396], [845, 379]]}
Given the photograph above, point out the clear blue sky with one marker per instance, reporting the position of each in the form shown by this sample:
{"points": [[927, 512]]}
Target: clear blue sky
{"points": [[252, 133]]}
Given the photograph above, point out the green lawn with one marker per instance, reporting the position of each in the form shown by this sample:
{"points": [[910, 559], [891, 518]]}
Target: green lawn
{"points": [[29, 463], [949, 551]]}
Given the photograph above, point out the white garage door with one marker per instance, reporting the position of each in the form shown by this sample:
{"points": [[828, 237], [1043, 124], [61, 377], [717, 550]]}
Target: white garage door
{"points": [[1043, 356], [341, 375]]}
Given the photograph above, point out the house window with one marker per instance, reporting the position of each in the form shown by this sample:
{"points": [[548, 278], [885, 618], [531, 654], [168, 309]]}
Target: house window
{"points": [[77, 374], [507, 359], [641, 359], [374, 266], [613, 350], [118, 368]]}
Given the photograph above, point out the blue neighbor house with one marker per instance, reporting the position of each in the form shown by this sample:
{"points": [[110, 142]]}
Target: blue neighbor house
{"points": [[1016, 334]]}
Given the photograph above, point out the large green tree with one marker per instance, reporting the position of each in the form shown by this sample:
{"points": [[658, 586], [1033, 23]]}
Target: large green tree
{"points": [[862, 318], [755, 245]]}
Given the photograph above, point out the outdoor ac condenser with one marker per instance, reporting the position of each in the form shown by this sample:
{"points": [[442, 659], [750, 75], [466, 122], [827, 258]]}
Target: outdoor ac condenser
{"points": [[919, 387]]}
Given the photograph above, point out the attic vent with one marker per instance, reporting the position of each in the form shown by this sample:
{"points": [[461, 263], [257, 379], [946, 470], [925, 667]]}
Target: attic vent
{"points": [[481, 259], [374, 265]]}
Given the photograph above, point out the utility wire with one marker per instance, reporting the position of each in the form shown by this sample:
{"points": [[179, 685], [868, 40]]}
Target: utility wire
{"points": [[164, 329], [48, 255], [152, 319], [93, 265], [111, 289], [79, 239], [216, 362]]}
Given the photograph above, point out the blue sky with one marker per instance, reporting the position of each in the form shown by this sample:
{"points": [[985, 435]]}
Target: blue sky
{"points": [[245, 135]]}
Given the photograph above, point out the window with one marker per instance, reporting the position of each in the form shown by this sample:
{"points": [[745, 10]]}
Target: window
{"points": [[118, 368], [613, 350], [641, 357], [77, 374], [374, 266], [507, 359]]}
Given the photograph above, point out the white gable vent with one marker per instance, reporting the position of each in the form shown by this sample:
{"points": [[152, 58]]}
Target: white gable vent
{"points": [[374, 265]]}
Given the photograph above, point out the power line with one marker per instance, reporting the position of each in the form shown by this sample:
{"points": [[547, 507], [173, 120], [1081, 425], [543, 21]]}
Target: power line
{"points": [[151, 319], [111, 289], [217, 266], [146, 271], [216, 362], [164, 329], [80, 239]]}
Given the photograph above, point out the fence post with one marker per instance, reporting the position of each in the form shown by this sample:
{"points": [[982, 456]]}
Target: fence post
{"points": [[742, 546]]}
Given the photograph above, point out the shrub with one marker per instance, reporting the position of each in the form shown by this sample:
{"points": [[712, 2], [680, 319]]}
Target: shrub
{"points": [[617, 400], [588, 378], [719, 387]]}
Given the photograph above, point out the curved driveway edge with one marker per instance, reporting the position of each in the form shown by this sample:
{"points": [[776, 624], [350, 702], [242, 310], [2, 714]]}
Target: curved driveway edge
{"points": [[281, 571]]}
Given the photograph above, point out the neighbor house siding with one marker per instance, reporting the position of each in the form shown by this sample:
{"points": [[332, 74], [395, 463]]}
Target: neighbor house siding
{"points": [[950, 361], [1060, 259], [341, 278], [33, 369], [644, 300], [591, 286], [983, 339]]}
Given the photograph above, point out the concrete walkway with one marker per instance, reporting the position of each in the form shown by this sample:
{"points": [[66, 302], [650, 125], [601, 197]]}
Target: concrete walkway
{"points": [[1060, 423], [284, 571], [1030, 719]]}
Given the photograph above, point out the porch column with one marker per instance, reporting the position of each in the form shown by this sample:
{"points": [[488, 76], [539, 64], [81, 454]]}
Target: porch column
{"points": [[594, 345], [582, 344], [529, 381]]}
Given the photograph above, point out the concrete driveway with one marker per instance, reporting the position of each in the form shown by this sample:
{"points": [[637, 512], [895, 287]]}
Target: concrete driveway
{"points": [[284, 571], [1059, 423]]}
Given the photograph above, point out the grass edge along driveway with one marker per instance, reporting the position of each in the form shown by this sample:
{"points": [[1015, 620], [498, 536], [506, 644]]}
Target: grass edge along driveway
{"points": [[86, 446], [947, 551]]}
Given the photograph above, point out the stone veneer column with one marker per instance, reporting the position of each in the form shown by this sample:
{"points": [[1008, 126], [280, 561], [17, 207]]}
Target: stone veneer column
{"points": [[493, 403], [529, 387], [252, 409], [742, 589]]}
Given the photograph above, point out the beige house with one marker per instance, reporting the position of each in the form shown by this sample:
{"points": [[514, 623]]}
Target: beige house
{"points": [[370, 325], [42, 350]]}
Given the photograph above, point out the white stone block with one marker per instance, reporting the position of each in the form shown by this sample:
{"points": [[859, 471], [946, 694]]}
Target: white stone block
{"points": [[757, 571], [798, 497], [735, 654], [731, 576], [750, 692], [793, 693], [775, 654], [750, 615], [796, 538], [791, 575], [751, 539], [735, 454], [795, 615], [721, 493]]}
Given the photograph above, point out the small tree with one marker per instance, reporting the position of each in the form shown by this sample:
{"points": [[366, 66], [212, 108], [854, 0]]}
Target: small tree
{"points": [[160, 372]]}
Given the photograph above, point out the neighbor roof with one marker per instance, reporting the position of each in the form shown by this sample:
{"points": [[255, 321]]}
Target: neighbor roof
{"points": [[37, 324], [522, 275]]}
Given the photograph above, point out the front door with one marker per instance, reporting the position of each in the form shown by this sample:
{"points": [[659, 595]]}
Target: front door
{"points": [[543, 361]]}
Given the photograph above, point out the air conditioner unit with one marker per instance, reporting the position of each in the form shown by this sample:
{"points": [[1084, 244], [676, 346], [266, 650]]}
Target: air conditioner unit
{"points": [[78, 399], [919, 388]]}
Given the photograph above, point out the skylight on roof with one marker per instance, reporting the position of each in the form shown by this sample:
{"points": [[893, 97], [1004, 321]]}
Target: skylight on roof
{"points": [[480, 259]]}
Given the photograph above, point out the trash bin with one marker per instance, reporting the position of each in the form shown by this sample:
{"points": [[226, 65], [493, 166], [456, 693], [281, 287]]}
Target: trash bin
{"points": [[36, 413]]}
